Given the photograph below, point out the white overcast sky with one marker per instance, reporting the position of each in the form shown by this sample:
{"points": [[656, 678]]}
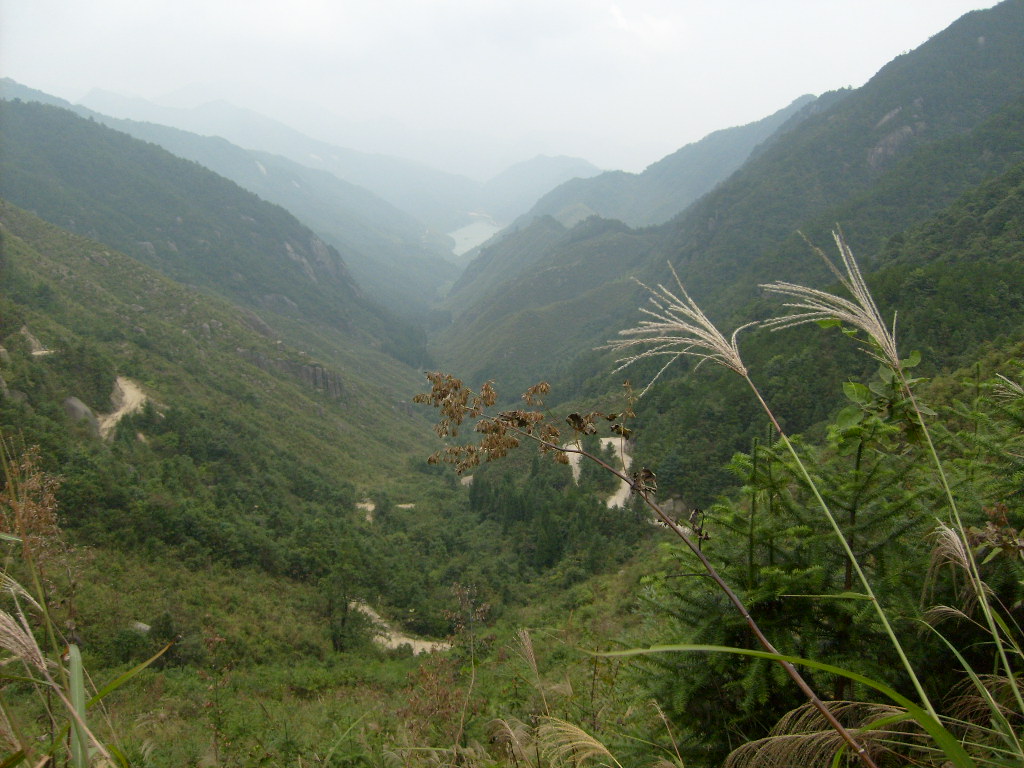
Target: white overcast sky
{"points": [[619, 83]]}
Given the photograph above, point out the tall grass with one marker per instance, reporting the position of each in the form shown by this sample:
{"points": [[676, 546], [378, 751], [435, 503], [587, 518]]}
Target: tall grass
{"points": [[50, 669]]}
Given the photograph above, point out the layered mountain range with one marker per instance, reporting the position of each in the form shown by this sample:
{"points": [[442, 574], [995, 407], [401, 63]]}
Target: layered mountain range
{"points": [[928, 127]]}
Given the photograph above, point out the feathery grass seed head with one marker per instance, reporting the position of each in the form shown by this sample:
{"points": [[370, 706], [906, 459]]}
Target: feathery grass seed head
{"points": [[859, 312], [677, 327], [563, 743], [17, 638]]}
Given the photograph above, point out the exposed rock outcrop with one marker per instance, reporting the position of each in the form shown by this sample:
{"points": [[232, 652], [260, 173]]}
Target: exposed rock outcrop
{"points": [[313, 376], [79, 411]]}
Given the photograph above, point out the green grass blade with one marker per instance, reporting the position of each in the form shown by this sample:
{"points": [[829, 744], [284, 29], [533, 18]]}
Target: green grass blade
{"points": [[999, 721], [838, 596], [944, 739], [120, 680], [76, 682], [341, 739]]}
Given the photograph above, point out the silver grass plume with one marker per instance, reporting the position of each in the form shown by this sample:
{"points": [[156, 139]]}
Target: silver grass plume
{"points": [[1007, 389], [525, 650], [18, 592], [16, 637], [951, 549], [7, 736], [512, 734], [972, 700], [562, 743], [677, 327], [860, 311], [803, 737]]}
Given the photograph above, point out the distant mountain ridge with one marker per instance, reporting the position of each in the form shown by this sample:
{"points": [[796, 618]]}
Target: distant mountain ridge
{"points": [[443, 201], [662, 191], [506, 195], [667, 187], [397, 259], [391, 254]]}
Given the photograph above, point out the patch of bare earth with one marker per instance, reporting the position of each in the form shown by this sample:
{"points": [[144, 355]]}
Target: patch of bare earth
{"points": [[389, 637], [621, 495], [127, 398]]}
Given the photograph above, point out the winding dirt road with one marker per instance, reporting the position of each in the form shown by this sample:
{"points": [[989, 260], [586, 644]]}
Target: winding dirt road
{"points": [[127, 398], [621, 495], [390, 638]]}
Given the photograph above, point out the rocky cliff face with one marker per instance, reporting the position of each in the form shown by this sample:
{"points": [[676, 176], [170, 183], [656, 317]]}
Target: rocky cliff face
{"points": [[313, 376]]}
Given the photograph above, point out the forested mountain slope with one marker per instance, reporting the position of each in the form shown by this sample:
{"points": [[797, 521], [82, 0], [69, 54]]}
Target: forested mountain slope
{"points": [[243, 442], [667, 187], [556, 298], [948, 87], [188, 222], [954, 286]]}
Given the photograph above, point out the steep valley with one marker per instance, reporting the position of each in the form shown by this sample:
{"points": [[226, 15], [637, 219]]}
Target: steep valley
{"points": [[216, 480]]}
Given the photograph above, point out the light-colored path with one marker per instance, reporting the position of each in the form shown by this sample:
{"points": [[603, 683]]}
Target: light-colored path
{"points": [[127, 398], [621, 495], [35, 347], [390, 638]]}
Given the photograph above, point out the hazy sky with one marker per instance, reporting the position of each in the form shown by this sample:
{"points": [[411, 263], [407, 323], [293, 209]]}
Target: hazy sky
{"points": [[619, 83]]}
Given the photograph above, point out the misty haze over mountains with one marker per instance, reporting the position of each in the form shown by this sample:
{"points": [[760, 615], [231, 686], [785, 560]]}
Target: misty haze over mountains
{"points": [[446, 215], [504, 196], [456, 151], [441, 199]]}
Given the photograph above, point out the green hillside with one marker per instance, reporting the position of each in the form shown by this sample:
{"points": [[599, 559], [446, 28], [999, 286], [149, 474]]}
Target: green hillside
{"points": [[218, 389], [555, 299]]}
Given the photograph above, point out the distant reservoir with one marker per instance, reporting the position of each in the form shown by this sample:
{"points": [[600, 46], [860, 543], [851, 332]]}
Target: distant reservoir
{"points": [[470, 236]]}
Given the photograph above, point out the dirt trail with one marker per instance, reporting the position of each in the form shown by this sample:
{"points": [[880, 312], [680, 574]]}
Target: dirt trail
{"points": [[127, 398], [394, 639], [621, 495], [34, 345]]}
